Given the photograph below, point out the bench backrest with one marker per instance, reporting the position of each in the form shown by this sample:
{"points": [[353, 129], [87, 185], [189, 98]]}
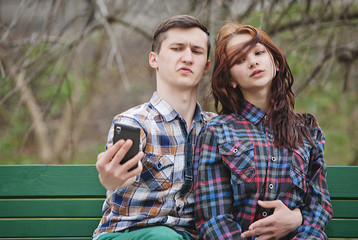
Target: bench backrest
{"points": [[343, 188], [49, 201], [65, 201]]}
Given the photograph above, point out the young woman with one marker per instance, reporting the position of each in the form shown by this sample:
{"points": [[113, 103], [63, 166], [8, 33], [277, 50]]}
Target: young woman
{"points": [[257, 149]]}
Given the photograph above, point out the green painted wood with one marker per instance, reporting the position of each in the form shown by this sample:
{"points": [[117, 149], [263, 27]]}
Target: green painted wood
{"points": [[65, 201], [345, 208], [343, 182], [67, 238], [65, 208], [50, 180], [342, 228], [48, 227]]}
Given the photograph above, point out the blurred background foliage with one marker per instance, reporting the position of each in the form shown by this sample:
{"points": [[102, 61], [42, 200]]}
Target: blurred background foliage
{"points": [[68, 67]]}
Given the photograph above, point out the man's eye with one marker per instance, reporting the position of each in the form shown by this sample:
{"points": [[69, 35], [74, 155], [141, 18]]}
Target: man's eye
{"points": [[197, 52]]}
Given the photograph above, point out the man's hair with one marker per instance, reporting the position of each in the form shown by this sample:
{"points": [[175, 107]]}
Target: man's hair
{"points": [[179, 21]]}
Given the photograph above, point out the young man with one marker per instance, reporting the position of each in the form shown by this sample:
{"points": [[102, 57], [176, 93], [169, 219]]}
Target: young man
{"points": [[155, 200]]}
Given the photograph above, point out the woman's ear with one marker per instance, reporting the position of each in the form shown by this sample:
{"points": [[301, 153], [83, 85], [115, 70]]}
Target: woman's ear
{"points": [[153, 62]]}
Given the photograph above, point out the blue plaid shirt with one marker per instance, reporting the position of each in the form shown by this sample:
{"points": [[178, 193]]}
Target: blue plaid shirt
{"points": [[237, 163], [162, 194]]}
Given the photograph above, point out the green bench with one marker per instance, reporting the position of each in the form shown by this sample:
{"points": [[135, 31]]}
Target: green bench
{"points": [[65, 201]]}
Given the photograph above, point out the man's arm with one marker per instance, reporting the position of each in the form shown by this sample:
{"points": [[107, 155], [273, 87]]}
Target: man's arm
{"points": [[279, 224]]}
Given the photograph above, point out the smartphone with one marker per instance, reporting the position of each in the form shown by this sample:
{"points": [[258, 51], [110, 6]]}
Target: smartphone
{"points": [[123, 131]]}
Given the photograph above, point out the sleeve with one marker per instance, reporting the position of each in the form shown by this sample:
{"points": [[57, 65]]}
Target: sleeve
{"points": [[317, 209], [213, 193]]}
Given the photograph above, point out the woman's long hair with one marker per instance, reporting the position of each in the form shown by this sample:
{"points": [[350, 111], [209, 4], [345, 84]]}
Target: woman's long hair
{"points": [[289, 127]]}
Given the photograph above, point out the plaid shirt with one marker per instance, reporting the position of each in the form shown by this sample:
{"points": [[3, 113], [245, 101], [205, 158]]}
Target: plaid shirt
{"points": [[237, 164], [162, 194]]}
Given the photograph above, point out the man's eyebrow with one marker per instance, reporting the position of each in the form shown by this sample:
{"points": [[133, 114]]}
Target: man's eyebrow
{"points": [[197, 46], [177, 43]]}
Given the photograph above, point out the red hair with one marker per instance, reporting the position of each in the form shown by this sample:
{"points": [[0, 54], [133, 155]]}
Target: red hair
{"points": [[288, 127]]}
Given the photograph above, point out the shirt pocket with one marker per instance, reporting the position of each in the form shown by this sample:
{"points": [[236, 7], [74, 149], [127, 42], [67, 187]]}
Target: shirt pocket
{"points": [[239, 158], [157, 171]]}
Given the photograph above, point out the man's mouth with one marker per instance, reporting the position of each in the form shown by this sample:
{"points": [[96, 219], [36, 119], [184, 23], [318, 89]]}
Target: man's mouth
{"points": [[185, 70]]}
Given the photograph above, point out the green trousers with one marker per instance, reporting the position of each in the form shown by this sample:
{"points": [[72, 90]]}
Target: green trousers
{"points": [[148, 233]]}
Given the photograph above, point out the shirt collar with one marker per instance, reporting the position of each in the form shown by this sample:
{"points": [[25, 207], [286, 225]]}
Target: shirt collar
{"points": [[252, 113], [168, 112]]}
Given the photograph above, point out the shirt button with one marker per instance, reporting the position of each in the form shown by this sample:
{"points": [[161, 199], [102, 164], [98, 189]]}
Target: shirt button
{"points": [[235, 150], [270, 186], [273, 159], [270, 135], [159, 165], [264, 214], [178, 208]]}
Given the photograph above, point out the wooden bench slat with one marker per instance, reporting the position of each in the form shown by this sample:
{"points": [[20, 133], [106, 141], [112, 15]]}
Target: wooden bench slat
{"points": [[48, 227], [53, 238], [50, 180], [11, 208], [342, 228], [345, 208], [343, 182]]}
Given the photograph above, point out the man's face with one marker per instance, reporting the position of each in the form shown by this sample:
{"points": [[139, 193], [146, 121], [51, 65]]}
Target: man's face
{"points": [[182, 59]]}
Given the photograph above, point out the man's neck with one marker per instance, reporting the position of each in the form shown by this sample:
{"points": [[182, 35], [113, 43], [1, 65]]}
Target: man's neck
{"points": [[184, 102]]}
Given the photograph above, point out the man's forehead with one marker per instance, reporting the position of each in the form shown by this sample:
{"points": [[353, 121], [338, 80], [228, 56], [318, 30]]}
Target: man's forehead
{"points": [[192, 36]]}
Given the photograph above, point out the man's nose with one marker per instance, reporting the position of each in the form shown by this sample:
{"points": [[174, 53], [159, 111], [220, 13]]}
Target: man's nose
{"points": [[187, 56]]}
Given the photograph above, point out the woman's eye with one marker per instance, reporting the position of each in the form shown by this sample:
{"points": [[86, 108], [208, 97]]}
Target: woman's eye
{"points": [[240, 61], [259, 52]]}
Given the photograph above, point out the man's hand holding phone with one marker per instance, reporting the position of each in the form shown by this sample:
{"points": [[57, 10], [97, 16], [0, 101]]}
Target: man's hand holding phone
{"points": [[115, 173]]}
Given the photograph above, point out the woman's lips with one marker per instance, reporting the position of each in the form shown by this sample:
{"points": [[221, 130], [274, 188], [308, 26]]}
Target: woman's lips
{"points": [[257, 73]]}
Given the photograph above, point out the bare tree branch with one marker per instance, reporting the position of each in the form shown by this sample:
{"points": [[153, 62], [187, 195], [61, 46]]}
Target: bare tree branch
{"points": [[301, 23], [115, 48]]}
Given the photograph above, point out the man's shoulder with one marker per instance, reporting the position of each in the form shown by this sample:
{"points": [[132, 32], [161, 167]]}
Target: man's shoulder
{"points": [[138, 113]]}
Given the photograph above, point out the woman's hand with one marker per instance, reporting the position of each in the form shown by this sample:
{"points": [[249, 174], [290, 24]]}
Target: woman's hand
{"points": [[279, 224]]}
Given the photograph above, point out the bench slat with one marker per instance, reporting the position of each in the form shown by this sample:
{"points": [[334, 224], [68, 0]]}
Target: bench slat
{"points": [[69, 238], [343, 182], [48, 227], [50, 180], [345, 209], [87, 208], [342, 228]]}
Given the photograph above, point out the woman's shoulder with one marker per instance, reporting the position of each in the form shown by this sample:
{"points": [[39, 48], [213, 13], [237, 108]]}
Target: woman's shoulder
{"points": [[309, 121], [223, 119]]}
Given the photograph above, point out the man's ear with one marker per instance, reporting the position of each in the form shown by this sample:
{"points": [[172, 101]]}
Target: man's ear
{"points": [[153, 60], [207, 67]]}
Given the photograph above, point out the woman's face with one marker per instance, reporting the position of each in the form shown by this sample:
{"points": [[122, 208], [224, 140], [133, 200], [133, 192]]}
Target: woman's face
{"points": [[254, 71]]}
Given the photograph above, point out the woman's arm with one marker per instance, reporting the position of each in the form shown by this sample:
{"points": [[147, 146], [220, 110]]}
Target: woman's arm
{"points": [[213, 192], [317, 210]]}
